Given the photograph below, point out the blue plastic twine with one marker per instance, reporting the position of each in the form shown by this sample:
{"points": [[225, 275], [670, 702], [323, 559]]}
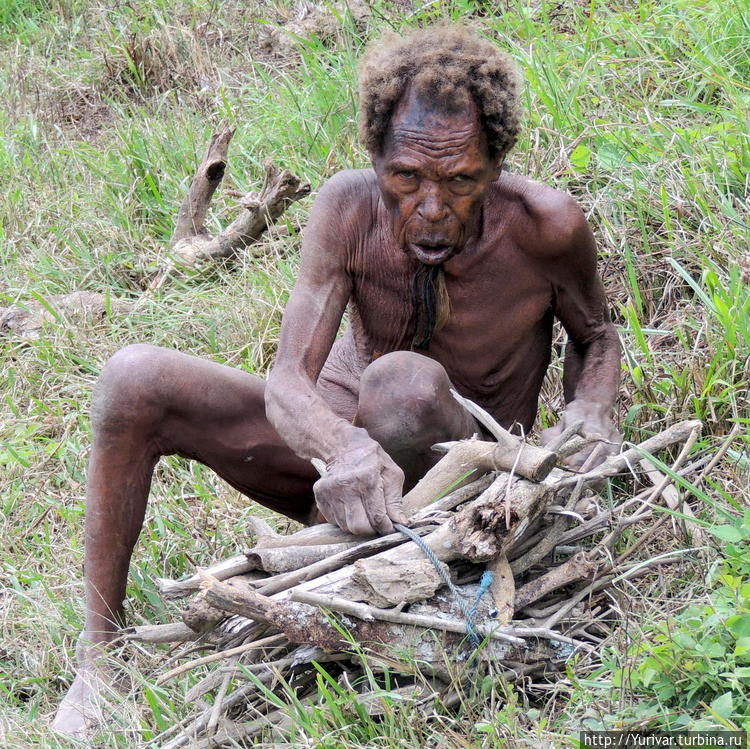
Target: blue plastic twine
{"points": [[484, 584]]}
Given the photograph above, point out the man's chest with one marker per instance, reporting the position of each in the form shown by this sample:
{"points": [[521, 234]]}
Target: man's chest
{"points": [[496, 296], [499, 322]]}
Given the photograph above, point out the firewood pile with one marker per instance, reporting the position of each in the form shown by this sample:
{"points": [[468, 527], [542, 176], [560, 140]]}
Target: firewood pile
{"points": [[527, 545]]}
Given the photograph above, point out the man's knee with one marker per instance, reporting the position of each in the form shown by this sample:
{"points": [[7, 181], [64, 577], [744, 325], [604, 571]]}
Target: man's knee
{"points": [[127, 390], [402, 392]]}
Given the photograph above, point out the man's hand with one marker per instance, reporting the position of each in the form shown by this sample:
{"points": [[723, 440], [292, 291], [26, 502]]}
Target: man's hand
{"points": [[596, 423], [361, 488]]}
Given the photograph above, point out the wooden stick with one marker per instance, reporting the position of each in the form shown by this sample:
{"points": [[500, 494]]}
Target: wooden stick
{"points": [[220, 656], [171, 589], [555, 444], [617, 463], [213, 719], [159, 633], [246, 602], [575, 445], [280, 189], [456, 497], [576, 568], [371, 613], [192, 213], [475, 457], [291, 558]]}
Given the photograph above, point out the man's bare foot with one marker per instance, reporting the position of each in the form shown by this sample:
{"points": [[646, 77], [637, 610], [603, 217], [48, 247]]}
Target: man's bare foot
{"points": [[87, 704], [83, 708]]}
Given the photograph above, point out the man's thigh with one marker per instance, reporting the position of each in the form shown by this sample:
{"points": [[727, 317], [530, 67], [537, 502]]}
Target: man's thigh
{"points": [[216, 414]]}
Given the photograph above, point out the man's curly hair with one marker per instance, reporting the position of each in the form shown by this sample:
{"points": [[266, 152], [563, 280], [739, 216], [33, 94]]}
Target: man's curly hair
{"points": [[443, 63]]}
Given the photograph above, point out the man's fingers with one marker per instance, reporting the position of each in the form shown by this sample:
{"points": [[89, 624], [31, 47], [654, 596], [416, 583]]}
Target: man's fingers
{"points": [[364, 500], [330, 505], [393, 491], [374, 504], [357, 521], [393, 508]]}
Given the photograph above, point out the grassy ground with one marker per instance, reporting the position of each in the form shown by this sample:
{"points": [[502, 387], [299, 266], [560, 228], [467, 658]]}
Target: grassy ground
{"points": [[639, 108]]}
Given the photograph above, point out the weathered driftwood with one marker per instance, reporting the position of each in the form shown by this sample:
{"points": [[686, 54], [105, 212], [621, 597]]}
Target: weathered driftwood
{"points": [[192, 214], [390, 582], [499, 516], [192, 245], [578, 567], [280, 189], [469, 459], [290, 558], [324, 533]]}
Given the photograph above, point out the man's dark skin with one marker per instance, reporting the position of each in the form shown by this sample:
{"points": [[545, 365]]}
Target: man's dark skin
{"points": [[515, 254]]}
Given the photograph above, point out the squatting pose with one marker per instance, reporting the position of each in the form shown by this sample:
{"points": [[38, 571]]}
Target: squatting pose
{"points": [[453, 272]]}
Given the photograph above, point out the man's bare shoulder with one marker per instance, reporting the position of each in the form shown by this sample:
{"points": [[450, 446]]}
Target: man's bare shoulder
{"points": [[547, 221], [348, 185], [342, 212]]}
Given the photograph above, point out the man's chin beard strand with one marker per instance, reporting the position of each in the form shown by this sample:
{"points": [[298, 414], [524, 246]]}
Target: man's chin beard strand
{"points": [[430, 304]]}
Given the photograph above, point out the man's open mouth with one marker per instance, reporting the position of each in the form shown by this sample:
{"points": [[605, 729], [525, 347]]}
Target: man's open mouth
{"points": [[432, 254]]}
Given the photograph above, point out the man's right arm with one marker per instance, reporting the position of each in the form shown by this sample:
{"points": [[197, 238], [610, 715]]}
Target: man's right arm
{"points": [[308, 330], [361, 491]]}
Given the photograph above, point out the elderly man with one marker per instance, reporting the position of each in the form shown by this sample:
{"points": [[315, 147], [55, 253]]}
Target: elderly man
{"points": [[453, 272]]}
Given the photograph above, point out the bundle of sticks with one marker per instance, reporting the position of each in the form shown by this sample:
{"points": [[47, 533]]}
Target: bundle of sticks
{"points": [[505, 546]]}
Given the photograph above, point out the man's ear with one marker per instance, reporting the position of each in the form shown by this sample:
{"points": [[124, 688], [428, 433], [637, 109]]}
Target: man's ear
{"points": [[498, 168]]}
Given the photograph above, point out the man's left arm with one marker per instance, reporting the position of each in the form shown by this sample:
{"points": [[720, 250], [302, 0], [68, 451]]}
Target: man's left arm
{"points": [[591, 373]]}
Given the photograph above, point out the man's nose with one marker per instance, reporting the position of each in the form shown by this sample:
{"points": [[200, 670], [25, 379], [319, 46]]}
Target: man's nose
{"points": [[432, 206]]}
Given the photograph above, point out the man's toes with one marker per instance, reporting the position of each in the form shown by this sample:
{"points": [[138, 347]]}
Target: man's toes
{"points": [[80, 712]]}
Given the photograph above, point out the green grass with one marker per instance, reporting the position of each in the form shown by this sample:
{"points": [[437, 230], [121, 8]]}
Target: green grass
{"points": [[639, 109]]}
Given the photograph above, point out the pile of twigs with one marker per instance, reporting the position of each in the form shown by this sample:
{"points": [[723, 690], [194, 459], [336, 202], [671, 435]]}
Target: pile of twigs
{"points": [[322, 595]]}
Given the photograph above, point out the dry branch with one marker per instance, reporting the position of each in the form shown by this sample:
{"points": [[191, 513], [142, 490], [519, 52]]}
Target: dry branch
{"points": [[192, 214], [472, 458], [192, 245], [626, 461], [578, 567], [290, 558], [372, 613], [368, 581]]}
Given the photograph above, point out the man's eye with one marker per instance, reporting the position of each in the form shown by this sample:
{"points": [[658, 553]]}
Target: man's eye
{"points": [[407, 173], [459, 178]]}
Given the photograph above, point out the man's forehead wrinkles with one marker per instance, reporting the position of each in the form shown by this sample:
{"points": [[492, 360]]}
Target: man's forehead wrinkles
{"points": [[454, 136], [414, 156], [420, 132], [427, 144]]}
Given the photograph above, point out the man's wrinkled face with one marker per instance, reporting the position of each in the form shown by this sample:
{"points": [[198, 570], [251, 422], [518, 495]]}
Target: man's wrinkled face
{"points": [[433, 172]]}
